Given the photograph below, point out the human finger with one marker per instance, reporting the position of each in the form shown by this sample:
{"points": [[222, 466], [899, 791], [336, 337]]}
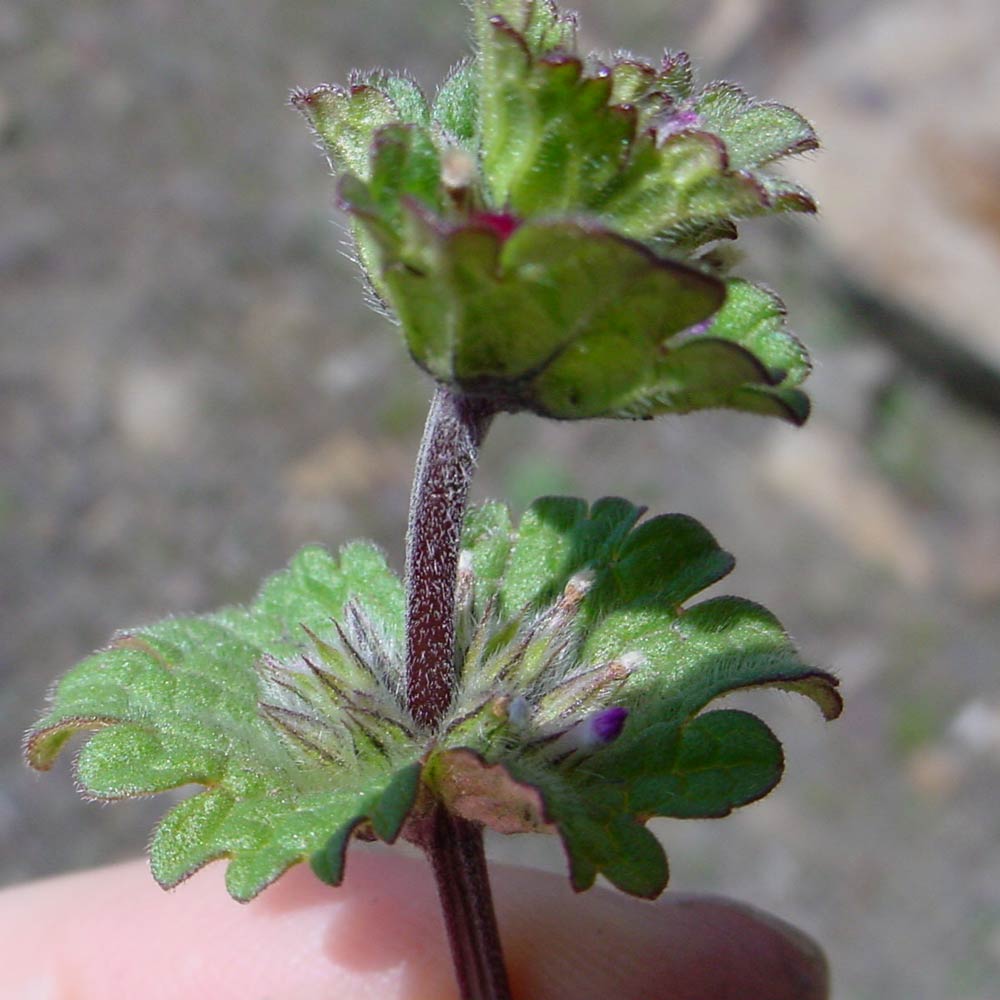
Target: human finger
{"points": [[112, 933]]}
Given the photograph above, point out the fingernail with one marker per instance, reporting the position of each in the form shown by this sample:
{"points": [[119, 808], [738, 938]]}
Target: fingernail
{"points": [[809, 965]]}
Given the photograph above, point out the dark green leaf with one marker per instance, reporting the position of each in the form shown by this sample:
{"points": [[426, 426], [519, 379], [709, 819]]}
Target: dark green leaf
{"points": [[744, 359], [559, 318], [601, 597], [712, 765]]}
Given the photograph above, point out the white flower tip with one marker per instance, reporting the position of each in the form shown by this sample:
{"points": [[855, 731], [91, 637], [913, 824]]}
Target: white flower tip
{"points": [[630, 662], [577, 588], [458, 169]]}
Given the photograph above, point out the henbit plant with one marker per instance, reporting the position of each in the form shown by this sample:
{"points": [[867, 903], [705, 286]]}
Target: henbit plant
{"points": [[546, 236]]}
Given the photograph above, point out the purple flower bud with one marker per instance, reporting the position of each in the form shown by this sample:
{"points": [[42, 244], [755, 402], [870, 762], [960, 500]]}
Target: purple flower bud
{"points": [[607, 724], [595, 731]]}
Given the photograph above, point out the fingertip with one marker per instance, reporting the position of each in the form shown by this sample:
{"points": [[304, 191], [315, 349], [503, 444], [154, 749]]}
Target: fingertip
{"points": [[605, 944]]}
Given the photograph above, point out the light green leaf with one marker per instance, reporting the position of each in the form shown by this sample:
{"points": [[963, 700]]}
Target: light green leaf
{"points": [[487, 538], [544, 555], [540, 23], [754, 318], [345, 121], [403, 91], [456, 107], [694, 655], [631, 81], [180, 703], [755, 132], [404, 173], [683, 181], [550, 139]]}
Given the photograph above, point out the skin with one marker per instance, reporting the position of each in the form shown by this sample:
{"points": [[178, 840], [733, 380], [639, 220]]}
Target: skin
{"points": [[112, 934]]}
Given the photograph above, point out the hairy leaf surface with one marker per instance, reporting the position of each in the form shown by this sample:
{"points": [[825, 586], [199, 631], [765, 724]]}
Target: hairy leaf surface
{"points": [[179, 703]]}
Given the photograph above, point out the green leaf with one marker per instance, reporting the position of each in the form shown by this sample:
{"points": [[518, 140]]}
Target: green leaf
{"points": [[712, 765], [676, 76], [550, 139], [663, 561], [456, 107], [565, 320], [631, 81], [345, 121], [641, 577], [404, 164], [754, 318], [127, 760], [554, 540], [744, 358], [540, 23], [583, 672], [694, 655], [786, 196], [559, 318], [264, 835], [681, 182], [627, 143], [593, 621], [716, 763], [656, 93], [486, 536], [404, 173], [387, 809], [403, 92], [179, 703], [536, 233], [613, 845], [755, 132], [389, 812]]}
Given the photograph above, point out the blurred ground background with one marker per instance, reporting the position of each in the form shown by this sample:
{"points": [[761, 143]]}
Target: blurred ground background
{"points": [[190, 388]]}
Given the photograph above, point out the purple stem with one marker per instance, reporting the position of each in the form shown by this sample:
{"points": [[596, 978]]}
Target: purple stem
{"points": [[455, 848], [455, 428]]}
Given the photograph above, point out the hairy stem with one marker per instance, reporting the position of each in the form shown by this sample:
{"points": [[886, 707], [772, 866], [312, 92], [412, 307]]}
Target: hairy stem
{"points": [[454, 430]]}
